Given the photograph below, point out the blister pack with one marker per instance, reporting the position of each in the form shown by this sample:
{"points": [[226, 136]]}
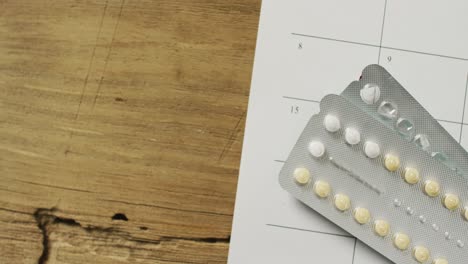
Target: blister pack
{"points": [[390, 194], [382, 97]]}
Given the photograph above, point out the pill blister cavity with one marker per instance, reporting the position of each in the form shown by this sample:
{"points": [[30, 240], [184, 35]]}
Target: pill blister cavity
{"points": [[421, 254], [322, 189], [331, 123], [440, 156], [370, 93], [388, 110], [432, 188], [435, 227], [447, 236], [371, 149], [381, 228], [352, 136], [392, 162], [316, 149], [397, 203], [410, 211], [301, 176], [422, 141], [440, 261], [411, 175], [342, 202], [460, 244], [451, 201], [405, 127], [362, 215], [422, 219], [401, 241]]}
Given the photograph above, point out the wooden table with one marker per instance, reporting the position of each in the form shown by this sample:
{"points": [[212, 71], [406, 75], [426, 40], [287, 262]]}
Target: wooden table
{"points": [[121, 125]]}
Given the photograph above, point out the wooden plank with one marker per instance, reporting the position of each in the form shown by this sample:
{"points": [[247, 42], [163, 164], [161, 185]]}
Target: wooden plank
{"points": [[121, 124]]}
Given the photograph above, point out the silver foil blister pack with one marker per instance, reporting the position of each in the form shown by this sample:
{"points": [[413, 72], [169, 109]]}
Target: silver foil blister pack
{"points": [[382, 97], [390, 194]]}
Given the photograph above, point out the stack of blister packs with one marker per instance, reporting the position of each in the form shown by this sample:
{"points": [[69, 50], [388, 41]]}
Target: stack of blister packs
{"points": [[377, 164]]}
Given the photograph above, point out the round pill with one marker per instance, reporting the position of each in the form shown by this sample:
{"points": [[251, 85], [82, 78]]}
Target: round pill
{"points": [[421, 254], [451, 201], [465, 213], [322, 189], [302, 176], [432, 188], [352, 136], [401, 241], [370, 93], [316, 149], [331, 123], [392, 162], [440, 261], [371, 149], [381, 228], [411, 175], [342, 202], [362, 215]]}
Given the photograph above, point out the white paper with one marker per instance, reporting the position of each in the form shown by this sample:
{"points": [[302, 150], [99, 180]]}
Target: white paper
{"points": [[307, 49]]}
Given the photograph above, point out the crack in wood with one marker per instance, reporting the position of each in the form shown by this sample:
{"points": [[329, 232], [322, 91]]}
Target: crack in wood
{"points": [[46, 219], [119, 217], [38, 215]]}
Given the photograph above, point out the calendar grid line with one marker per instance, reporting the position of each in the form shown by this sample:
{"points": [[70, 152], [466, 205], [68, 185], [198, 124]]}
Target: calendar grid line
{"points": [[322, 233], [336, 40], [301, 99], [382, 30], [450, 121], [311, 231], [426, 53], [354, 250], [381, 47], [464, 107]]}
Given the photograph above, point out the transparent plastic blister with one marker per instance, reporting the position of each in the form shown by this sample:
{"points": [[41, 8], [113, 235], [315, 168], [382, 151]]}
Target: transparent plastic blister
{"points": [[371, 182], [382, 97]]}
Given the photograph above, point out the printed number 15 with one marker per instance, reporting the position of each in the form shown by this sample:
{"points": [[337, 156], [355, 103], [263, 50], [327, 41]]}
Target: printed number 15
{"points": [[294, 109]]}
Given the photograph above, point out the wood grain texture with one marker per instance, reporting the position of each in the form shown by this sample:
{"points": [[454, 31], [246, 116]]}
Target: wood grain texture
{"points": [[121, 124]]}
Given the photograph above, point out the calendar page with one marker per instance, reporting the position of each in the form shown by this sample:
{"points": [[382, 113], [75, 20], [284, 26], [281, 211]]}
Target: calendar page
{"points": [[307, 49]]}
